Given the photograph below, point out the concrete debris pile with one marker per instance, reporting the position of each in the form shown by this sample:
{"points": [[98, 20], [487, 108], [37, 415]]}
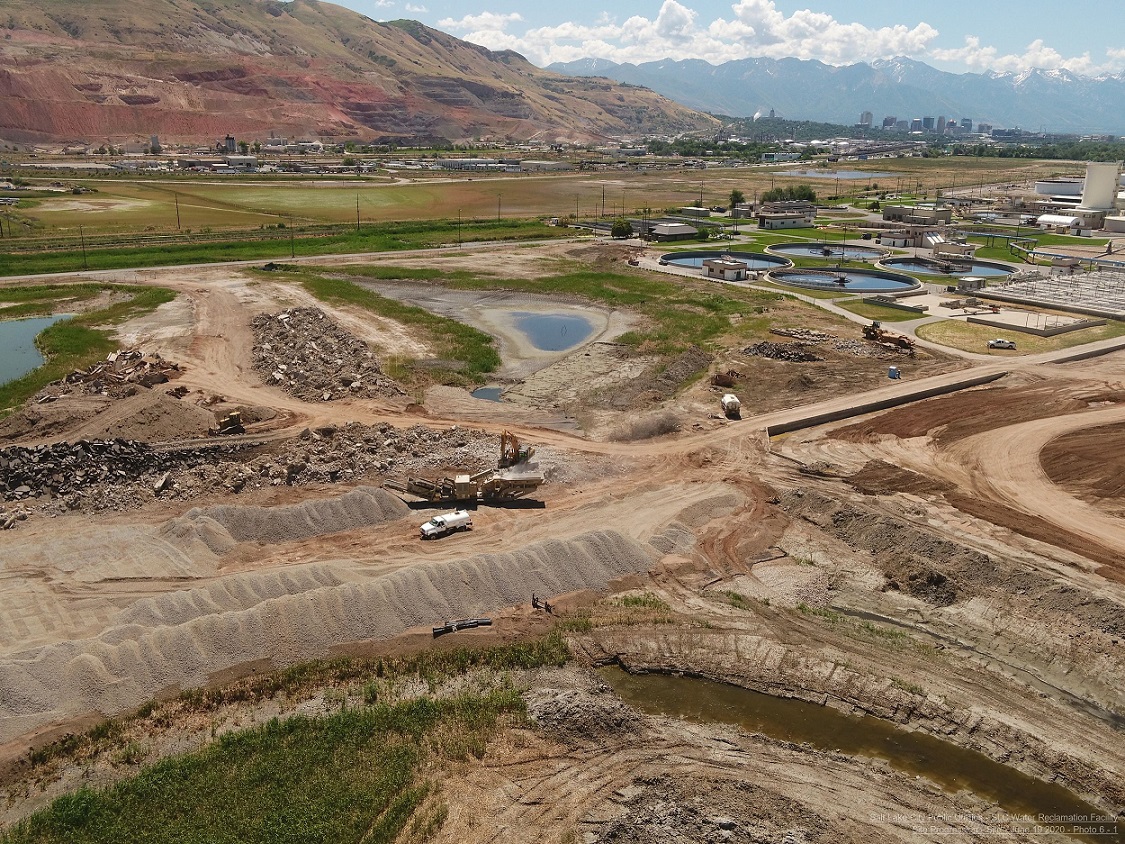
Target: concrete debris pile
{"points": [[122, 474], [309, 356], [114, 376], [795, 352], [93, 469], [811, 337], [9, 516]]}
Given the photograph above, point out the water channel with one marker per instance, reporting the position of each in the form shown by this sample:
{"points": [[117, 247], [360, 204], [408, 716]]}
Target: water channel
{"points": [[950, 766], [18, 354]]}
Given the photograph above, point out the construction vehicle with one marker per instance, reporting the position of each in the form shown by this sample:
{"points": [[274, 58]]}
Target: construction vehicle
{"points": [[515, 476], [446, 523], [731, 406], [229, 424], [885, 337]]}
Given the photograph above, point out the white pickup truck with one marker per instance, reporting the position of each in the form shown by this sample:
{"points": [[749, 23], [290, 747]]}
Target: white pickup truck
{"points": [[446, 523]]}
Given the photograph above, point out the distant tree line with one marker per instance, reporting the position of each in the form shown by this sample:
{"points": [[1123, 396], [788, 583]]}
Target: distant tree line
{"points": [[1070, 150], [789, 194]]}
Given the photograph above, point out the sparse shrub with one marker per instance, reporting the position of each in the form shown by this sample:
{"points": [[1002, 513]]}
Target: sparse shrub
{"points": [[646, 427]]}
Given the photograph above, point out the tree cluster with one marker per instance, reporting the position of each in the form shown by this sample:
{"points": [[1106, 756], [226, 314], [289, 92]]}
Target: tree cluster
{"points": [[789, 194]]}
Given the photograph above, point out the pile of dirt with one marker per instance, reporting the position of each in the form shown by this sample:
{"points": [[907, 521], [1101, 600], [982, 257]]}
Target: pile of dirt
{"points": [[680, 369], [582, 714], [361, 507], [311, 357], [877, 477], [962, 414], [287, 617], [695, 809], [1089, 463], [121, 475], [794, 352]]}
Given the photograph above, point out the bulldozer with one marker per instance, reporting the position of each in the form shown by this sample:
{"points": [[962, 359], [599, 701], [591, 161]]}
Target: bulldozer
{"points": [[885, 337], [515, 476]]}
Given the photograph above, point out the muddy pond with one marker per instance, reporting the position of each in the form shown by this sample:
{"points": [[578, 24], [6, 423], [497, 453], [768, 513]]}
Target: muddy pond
{"points": [[950, 766]]}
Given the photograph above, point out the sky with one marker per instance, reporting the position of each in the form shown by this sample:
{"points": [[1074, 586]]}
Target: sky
{"points": [[954, 35]]}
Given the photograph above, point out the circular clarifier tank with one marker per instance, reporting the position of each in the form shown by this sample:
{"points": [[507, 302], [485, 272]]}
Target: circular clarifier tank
{"points": [[929, 266], [827, 251], [695, 259], [846, 280]]}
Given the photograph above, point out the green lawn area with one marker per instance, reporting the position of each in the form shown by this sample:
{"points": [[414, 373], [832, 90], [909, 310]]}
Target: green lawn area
{"points": [[974, 338], [362, 774], [879, 312], [78, 342], [383, 238]]}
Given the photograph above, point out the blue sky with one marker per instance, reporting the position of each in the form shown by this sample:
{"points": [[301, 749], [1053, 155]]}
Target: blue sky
{"points": [[955, 35]]}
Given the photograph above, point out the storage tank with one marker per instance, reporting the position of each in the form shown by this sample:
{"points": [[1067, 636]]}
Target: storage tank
{"points": [[1101, 186]]}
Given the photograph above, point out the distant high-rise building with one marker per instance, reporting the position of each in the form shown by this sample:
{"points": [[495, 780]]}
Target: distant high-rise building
{"points": [[940, 128], [916, 124], [966, 124], [889, 121], [154, 144], [865, 119], [984, 128], [902, 125], [772, 115], [229, 144], [928, 124]]}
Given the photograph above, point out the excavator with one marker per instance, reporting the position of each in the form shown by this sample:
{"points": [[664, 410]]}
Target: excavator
{"points": [[891, 339], [515, 476]]}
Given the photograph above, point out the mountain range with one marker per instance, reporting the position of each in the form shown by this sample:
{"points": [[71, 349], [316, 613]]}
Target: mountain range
{"points": [[1054, 100], [109, 70]]}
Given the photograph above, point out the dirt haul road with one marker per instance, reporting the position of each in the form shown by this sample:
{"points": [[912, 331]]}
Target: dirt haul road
{"points": [[998, 642]]}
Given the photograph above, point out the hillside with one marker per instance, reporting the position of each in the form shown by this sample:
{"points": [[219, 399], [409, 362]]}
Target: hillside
{"points": [[810, 90], [109, 70]]}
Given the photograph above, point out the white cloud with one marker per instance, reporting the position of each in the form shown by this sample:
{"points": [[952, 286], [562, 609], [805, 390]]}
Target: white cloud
{"points": [[1037, 54], [755, 28], [677, 32], [410, 7], [384, 4]]}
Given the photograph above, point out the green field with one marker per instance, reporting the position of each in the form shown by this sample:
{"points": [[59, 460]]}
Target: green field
{"points": [[879, 312], [974, 338]]}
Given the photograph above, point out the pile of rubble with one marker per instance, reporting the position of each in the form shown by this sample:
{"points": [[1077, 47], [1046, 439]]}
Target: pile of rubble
{"points": [[113, 376], [122, 474], [812, 337], [796, 352], [9, 516], [311, 357]]}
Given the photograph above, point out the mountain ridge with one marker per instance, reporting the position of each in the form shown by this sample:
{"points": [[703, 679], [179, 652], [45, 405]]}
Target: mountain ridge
{"points": [[811, 90], [199, 69]]}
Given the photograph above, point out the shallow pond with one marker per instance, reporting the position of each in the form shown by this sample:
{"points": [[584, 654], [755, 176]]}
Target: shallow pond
{"points": [[827, 729], [487, 393], [553, 332], [18, 355]]}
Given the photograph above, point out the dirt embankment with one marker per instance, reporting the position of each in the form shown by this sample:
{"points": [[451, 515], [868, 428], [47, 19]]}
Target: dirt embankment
{"points": [[1091, 465]]}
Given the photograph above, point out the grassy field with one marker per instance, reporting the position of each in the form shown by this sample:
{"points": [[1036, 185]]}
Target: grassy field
{"points": [[78, 342], [149, 203], [391, 237], [354, 775], [974, 338]]}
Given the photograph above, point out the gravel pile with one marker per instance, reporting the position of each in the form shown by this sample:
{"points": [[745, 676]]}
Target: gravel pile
{"points": [[361, 507], [287, 616], [795, 352], [121, 474], [311, 357]]}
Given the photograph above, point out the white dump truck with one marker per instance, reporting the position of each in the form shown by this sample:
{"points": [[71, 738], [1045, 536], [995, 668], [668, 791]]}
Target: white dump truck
{"points": [[446, 523], [731, 406]]}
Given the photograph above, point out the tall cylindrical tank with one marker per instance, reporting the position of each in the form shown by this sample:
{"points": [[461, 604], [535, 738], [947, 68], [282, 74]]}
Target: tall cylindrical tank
{"points": [[1101, 186]]}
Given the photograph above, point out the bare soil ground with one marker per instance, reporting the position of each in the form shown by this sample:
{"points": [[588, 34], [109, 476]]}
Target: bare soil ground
{"points": [[953, 565]]}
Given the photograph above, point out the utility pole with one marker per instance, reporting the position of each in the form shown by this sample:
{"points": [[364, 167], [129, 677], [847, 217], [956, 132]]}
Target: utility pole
{"points": [[498, 196], [601, 216], [576, 208], [458, 228], [700, 193], [357, 213], [177, 212], [292, 248], [82, 237]]}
